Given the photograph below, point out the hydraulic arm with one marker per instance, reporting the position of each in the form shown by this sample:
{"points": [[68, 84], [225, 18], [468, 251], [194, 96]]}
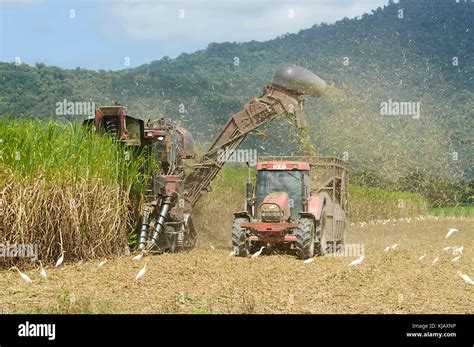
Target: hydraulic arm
{"points": [[280, 97]]}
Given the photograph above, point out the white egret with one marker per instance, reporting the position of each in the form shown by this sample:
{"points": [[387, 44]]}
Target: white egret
{"points": [[390, 248], [445, 249], [23, 276], [450, 232], [309, 260], [138, 257], [42, 271], [60, 259], [421, 258], [458, 250], [435, 261], [141, 273], [102, 263], [456, 259], [257, 254], [466, 278], [357, 261]]}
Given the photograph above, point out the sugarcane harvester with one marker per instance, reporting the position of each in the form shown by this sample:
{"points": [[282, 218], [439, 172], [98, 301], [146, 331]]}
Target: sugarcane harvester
{"points": [[167, 224]]}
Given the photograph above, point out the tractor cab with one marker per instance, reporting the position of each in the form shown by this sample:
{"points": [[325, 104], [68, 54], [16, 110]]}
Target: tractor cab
{"points": [[169, 143], [281, 189]]}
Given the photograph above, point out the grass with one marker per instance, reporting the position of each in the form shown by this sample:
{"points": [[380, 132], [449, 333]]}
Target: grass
{"points": [[65, 189], [373, 203], [207, 280], [466, 210]]}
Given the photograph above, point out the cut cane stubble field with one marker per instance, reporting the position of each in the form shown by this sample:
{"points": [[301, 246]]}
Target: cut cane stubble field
{"points": [[208, 280]]}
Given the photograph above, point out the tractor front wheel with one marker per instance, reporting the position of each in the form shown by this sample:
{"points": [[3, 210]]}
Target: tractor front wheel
{"points": [[240, 244], [305, 234]]}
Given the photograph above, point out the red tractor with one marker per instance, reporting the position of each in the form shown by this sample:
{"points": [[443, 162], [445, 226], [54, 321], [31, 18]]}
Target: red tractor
{"points": [[299, 204]]}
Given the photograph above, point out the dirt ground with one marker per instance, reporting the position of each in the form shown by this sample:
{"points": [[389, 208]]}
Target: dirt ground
{"points": [[208, 280]]}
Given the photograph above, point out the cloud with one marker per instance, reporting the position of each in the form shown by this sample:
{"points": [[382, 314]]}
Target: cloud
{"points": [[224, 21]]}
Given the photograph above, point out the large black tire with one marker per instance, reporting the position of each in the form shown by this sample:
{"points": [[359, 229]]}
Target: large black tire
{"points": [[321, 247], [240, 244], [305, 238]]}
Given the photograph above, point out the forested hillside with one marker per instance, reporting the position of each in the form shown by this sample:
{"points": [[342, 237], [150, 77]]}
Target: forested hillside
{"points": [[411, 51]]}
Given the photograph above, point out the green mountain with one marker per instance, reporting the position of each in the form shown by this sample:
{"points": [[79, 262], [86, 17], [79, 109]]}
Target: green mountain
{"points": [[419, 52]]}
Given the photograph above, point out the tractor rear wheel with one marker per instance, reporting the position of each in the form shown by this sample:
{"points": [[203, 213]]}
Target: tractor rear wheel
{"points": [[305, 238], [240, 244]]}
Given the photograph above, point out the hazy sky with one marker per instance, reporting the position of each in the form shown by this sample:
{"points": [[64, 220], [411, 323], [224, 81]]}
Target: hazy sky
{"points": [[102, 34]]}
